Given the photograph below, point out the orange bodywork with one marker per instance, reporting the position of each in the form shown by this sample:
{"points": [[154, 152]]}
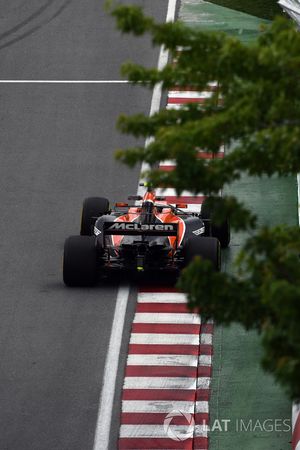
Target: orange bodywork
{"points": [[165, 215]]}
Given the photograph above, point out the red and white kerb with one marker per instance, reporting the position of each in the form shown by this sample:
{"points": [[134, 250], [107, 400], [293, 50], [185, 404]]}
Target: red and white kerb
{"points": [[168, 371], [165, 402], [296, 427], [177, 99]]}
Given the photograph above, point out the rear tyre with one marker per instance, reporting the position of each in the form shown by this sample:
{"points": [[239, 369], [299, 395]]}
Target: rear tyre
{"points": [[206, 247], [93, 207], [80, 261], [222, 231]]}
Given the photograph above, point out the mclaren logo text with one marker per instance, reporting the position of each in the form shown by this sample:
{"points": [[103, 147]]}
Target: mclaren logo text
{"points": [[141, 227]]}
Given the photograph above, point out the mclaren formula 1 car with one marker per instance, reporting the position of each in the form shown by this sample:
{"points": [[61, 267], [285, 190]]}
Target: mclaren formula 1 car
{"points": [[150, 235]]}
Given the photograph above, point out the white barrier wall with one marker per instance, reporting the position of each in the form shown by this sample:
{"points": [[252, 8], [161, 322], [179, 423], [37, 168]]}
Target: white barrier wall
{"points": [[292, 8]]}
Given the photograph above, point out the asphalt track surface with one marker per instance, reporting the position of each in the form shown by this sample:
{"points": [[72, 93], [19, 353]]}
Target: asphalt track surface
{"points": [[57, 143]]}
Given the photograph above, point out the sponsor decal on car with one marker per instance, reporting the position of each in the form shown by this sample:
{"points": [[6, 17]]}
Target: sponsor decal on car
{"points": [[141, 227], [134, 228], [199, 231], [96, 231]]}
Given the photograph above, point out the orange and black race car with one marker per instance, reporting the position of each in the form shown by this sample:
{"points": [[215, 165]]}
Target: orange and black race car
{"points": [[150, 235]]}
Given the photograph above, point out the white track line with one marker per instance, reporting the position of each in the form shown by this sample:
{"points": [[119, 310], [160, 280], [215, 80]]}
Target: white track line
{"points": [[204, 360], [166, 339], [206, 338], [158, 431], [189, 94], [157, 91], [172, 192], [201, 407], [162, 297], [176, 106], [160, 406], [160, 383], [102, 433], [101, 441], [203, 383], [195, 208], [65, 81], [174, 318], [162, 360]]}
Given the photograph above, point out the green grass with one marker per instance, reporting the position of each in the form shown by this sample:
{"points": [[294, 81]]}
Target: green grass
{"points": [[266, 9]]}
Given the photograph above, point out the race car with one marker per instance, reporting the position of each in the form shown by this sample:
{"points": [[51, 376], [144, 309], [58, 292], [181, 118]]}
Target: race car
{"points": [[148, 236]]}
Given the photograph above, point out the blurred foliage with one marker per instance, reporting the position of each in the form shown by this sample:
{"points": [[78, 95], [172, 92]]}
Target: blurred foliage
{"points": [[255, 111], [266, 9], [265, 296]]}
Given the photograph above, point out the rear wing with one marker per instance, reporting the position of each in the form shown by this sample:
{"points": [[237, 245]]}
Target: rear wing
{"points": [[138, 229]]}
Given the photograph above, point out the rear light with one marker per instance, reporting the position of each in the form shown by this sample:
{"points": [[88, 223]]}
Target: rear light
{"points": [[121, 205], [181, 205]]}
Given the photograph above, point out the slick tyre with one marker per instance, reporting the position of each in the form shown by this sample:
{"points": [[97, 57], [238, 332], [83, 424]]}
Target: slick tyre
{"points": [[80, 261], [222, 231], [93, 207], [206, 247]]}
